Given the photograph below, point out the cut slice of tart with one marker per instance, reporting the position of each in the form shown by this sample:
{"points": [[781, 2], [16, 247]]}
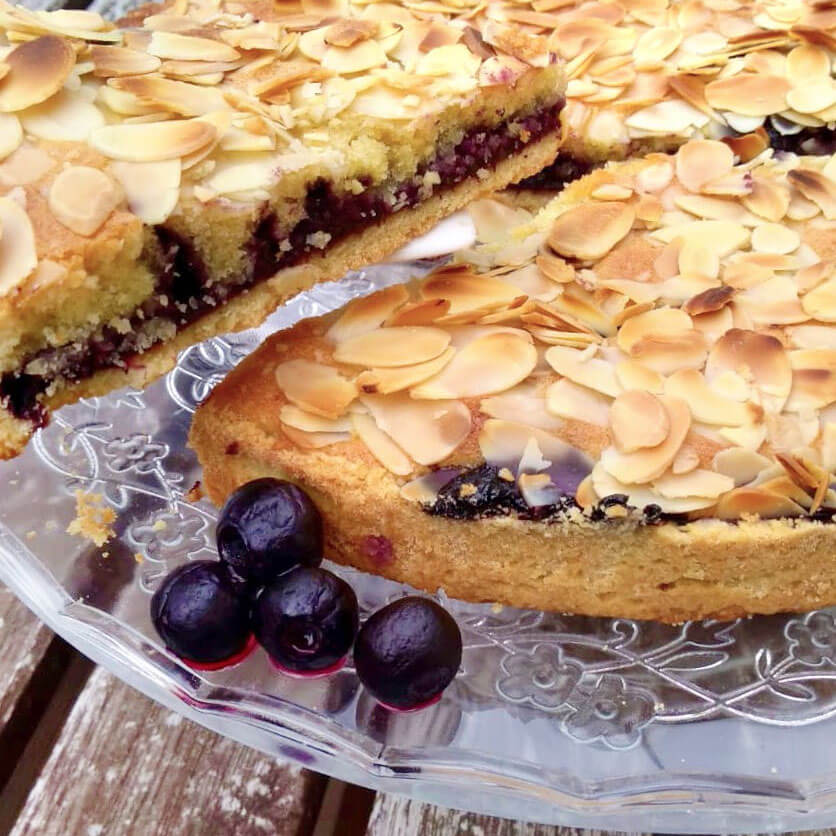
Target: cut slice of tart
{"points": [[623, 406], [647, 77], [165, 182]]}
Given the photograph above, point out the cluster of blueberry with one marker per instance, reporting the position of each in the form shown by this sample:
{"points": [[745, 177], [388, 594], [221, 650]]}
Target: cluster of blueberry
{"points": [[268, 588]]}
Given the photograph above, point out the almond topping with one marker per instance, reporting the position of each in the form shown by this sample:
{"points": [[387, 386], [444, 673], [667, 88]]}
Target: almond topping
{"points": [[315, 388], [753, 502], [110, 61], [292, 416], [591, 372], [820, 303], [363, 315], [566, 399], [82, 198], [775, 238], [638, 420], [153, 141], [427, 431], [705, 404], [37, 70], [179, 47], [385, 381], [493, 363], [18, 255], [381, 445], [814, 186], [589, 232], [387, 347], [702, 161], [749, 94], [650, 463], [704, 483], [151, 189]]}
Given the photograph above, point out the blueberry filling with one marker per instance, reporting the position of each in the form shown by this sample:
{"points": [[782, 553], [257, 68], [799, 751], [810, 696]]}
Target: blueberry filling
{"points": [[183, 291], [554, 177], [481, 492]]}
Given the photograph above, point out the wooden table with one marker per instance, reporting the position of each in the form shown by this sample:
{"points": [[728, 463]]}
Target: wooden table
{"points": [[81, 754]]}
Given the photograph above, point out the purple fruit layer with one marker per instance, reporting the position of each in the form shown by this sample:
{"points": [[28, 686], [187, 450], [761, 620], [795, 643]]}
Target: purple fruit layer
{"points": [[184, 292]]}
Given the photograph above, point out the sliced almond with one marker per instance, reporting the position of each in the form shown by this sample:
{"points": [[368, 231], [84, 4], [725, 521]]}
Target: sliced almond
{"points": [[18, 254], [493, 363], [705, 404], [112, 61], [64, 117], [650, 463], [591, 372], [741, 465], [388, 347], [151, 189], [767, 199], [589, 231], [820, 302], [173, 96], [566, 399], [702, 161], [292, 416], [753, 502], [638, 420], [703, 483], [749, 94], [525, 405], [315, 387], [313, 441], [11, 134], [82, 198], [427, 431], [419, 313], [361, 57], [384, 381], [813, 379], [633, 375], [686, 461], [37, 70], [815, 187], [775, 238], [465, 291], [381, 445], [152, 142], [178, 47], [366, 314], [661, 322]]}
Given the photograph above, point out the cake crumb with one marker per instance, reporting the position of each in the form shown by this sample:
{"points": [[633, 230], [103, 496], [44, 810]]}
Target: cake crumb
{"points": [[195, 492], [93, 519], [506, 474], [467, 490], [139, 557]]}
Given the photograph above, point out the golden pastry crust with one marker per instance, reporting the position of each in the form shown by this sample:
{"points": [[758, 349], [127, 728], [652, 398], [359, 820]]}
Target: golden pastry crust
{"points": [[150, 176], [655, 352]]}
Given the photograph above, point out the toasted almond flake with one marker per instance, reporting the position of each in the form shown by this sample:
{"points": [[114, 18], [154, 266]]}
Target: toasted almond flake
{"points": [[820, 303], [348, 32], [702, 161], [493, 219], [639, 496], [706, 405], [419, 313], [591, 372], [813, 379], [749, 94], [650, 463], [387, 347], [151, 189], [315, 387], [173, 96], [633, 375], [384, 381], [702, 483], [712, 208], [708, 301], [82, 198], [741, 465], [363, 56], [293, 416], [522, 404], [655, 177], [686, 461], [313, 441], [767, 199], [654, 46], [64, 118], [110, 61], [566, 399], [754, 502], [11, 134], [806, 63], [589, 232], [427, 431], [611, 191], [178, 47], [719, 237], [490, 364], [153, 141], [537, 490], [661, 322], [381, 446], [36, 70], [813, 96], [667, 117], [18, 255], [638, 420], [775, 238], [466, 291], [750, 437], [817, 188]]}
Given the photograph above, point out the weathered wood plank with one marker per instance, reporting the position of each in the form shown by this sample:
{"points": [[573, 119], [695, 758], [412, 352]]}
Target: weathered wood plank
{"points": [[123, 764], [23, 644], [394, 815]]}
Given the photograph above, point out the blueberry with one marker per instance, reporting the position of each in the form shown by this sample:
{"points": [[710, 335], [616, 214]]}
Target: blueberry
{"points": [[408, 652], [267, 527], [306, 619], [200, 614]]}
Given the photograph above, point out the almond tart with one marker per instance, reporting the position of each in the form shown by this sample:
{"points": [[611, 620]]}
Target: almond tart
{"points": [[182, 176], [649, 76], [622, 406]]}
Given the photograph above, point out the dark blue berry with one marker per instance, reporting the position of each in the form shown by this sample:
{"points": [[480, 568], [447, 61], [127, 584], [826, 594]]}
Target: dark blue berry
{"points": [[408, 652], [267, 527], [306, 619], [200, 614]]}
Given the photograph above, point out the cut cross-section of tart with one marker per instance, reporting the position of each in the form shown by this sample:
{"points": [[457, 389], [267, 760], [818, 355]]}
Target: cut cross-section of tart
{"points": [[170, 181], [647, 77], [624, 406]]}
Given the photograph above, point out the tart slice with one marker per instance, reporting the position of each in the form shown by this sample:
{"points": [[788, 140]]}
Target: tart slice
{"points": [[647, 77], [163, 183], [623, 406]]}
